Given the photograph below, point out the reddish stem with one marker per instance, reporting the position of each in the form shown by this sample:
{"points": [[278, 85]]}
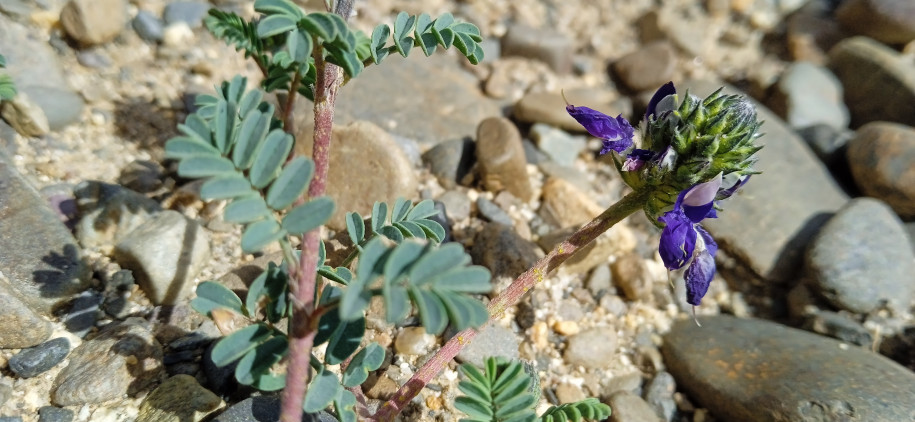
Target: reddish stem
{"points": [[510, 297]]}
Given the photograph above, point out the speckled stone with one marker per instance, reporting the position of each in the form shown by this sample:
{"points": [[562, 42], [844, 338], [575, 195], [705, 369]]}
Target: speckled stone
{"points": [[754, 370], [179, 399], [36, 360]]}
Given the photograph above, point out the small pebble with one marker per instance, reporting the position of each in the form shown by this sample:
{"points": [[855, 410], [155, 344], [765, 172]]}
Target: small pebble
{"points": [[36, 360], [414, 341], [54, 414]]}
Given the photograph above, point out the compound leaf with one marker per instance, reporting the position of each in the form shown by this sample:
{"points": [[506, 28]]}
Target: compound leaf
{"points": [[274, 25], [283, 7]]}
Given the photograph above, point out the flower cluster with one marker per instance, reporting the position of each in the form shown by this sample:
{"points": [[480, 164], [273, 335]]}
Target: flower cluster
{"points": [[688, 150]]}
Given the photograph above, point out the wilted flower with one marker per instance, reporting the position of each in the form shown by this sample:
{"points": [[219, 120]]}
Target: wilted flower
{"points": [[616, 132]]}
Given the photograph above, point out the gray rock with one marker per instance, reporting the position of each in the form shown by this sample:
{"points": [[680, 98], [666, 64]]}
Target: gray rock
{"points": [[888, 21], [109, 212], [572, 175], [879, 83], [24, 115], [600, 281], [544, 44], [502, 250], [189, 12], [628, 407], [123, 359], [387, 173], [492, 212], [178, 399], [829, 144], [754, 370], [457, 205], [92, 22], [20, 326], [839, 327], [142, 176], [501, 159], [148, 26], [17, 8], [393, 95], [593, 348], [441, 217], [36, 360], [491, 340], [83, 313], [532, 153], [93, 59], [648, 67], [60, 105], [882, 161], [264, 409], [54, 414], [25, 52], [861, 259], [768, 224], [410, 148], [659, 393], [807, 94], [165, 255], [38, 254], [10, 419], [561, 147], [450, 161]]}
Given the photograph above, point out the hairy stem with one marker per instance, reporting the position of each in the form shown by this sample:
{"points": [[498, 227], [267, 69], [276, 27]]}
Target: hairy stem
{"points": [[305, 318], [510, 297]]}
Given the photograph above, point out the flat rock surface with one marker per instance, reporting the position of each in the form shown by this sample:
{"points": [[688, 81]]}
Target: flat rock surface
{"points": [[754, 370]]}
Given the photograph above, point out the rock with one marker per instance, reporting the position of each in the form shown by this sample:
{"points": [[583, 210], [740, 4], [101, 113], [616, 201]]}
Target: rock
{"points": [[148, 26], [659, 393], [558, 145], [861, 259], [489, 211], [569, 393], [83, 313], [807, 94], [142, 176], [93, 59], [648, 67], [491, 340], [769, 234], [220, 379], [512, 77], [109, 213], [179, 399], [888, 21], [502, 250], [633, 277], [60, 105], [544, 44], [263, 409], [829, 144], [617, 240], [393, 95], [165, 255], [593, 348], [628, 407], [20, 326], [414, 341], [457, 205], [566, 205], [501, 159], [25, 115], [385, 172], [550, 108], [450, 161], [54, 414], [811, 31], [599, 282], [92, 22], [189, 12], [839, 327], [38, 359], [123, 359], [755, 370], [879, 84], [882, 161], [25, 52], [177, 36], [38, 254]]}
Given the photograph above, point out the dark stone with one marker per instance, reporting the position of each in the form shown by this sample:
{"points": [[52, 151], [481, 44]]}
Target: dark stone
{"points": [[754, 370], [503, 251], [264, 409], [148, 26], [36, 360], [659, 393], [220, 379], [450, 161], [189, 12], [888, 21], [441, 217], [54, 414], [839, 327], [84, 313], [492, 212]]}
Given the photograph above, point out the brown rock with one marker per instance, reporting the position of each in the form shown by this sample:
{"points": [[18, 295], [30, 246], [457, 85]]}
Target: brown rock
{"points": [[500, 156], [632, 276], [888, 21], [629, 407], [647, 68], [882, 161], [565, 205], [179, 399], [94, 21], [544, 44], [502, 250], [619, 239]]}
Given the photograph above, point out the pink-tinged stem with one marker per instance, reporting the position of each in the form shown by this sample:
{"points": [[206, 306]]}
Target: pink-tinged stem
{"points": [[510, 297]]}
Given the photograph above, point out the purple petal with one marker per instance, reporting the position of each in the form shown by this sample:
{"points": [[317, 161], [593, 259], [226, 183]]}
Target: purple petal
{"points": [[698, 202], [678, 239], [727, 193], [707, 239], [616, 132], [663, 91], [698, 276], [637, 159]]}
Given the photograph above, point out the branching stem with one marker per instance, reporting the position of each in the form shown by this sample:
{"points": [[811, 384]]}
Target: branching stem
{"points": [[510, 297]]}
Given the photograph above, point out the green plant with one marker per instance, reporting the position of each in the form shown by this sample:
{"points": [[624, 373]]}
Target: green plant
{"points": [[508, 391], [7, 89]]}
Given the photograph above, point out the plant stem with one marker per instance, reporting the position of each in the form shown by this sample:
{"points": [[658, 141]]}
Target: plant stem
{"points": [[510, 297], [304, 317]]}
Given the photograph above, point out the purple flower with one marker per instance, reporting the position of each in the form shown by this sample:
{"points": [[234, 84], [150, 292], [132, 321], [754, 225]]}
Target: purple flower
{"points": [[616, 132], [637, 159], [685, 241], [663, 92]]}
